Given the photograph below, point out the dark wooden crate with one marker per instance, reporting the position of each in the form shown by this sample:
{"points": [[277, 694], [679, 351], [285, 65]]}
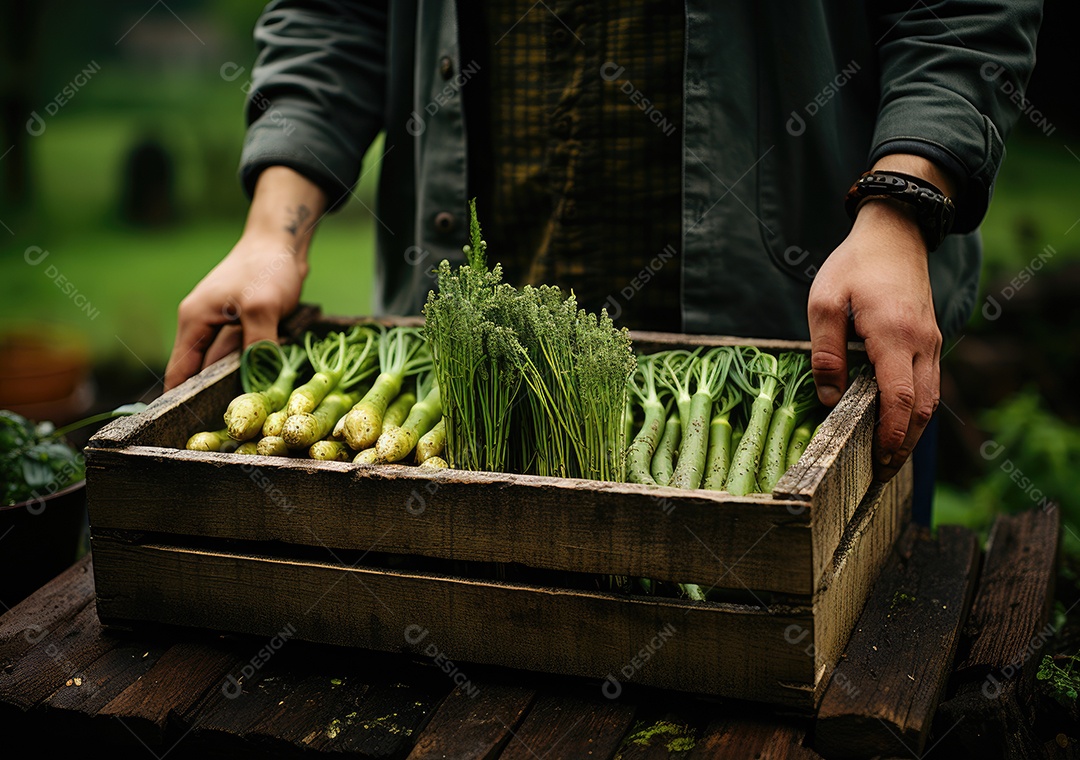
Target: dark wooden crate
{"points": [[250, 544]]}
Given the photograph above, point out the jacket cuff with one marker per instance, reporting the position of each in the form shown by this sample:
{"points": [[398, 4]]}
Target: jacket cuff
{"points": [[286, 136], [980, 142]]}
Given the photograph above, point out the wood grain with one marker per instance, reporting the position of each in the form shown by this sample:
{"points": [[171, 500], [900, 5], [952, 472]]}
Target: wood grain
{"points": [[171, 687], [561, 726], [846, 584], [753, 736], [473, 726], [532, 628], [557, 523], [883, 694], [992, 710], [23, 626]]}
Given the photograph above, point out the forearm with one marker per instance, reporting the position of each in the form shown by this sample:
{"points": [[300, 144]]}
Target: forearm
{"points": [[285, 210]]}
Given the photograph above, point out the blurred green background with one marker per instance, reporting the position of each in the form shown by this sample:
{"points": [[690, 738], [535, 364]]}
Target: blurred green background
{"points": [[155, 81]]}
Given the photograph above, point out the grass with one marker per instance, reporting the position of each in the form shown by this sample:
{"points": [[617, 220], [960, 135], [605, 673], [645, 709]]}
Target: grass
{"points": [[133, 278]]}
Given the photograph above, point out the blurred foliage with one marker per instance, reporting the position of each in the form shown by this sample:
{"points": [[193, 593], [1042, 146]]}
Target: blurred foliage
{"points": [[1031, 458]]}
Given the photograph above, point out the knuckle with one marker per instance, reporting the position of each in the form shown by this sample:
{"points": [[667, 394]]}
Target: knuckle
{"points": [[922, 414], [899, 395], [823, 360]]}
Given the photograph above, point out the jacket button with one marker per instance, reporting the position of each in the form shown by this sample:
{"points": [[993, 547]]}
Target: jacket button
{"points": [[446, 67], [445, 222], [560, 36]]}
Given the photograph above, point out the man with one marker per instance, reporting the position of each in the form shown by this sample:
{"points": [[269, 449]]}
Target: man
{"points": [[684, 166]]}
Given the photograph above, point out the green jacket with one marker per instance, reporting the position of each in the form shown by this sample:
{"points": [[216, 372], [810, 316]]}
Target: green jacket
{"points": [[786, 104]]}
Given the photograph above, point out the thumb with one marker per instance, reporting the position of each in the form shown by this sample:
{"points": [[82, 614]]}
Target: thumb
{"points": [[828, 347]]}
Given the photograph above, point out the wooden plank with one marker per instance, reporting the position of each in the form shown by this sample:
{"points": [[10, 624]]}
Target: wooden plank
{"points": [[22, 627], [758, 736], [992, 710], [308, 701], [556, 523], [171, 687], [532, 628], [883, 694], [473, 724], [845, 586], [561, 725]]}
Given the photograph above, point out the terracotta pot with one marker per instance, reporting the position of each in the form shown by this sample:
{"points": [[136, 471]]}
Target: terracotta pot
{"points": [[39, 539], [44, 373]]}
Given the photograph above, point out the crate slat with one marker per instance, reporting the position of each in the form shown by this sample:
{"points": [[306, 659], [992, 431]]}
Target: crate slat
{"points": [[544, 629]]}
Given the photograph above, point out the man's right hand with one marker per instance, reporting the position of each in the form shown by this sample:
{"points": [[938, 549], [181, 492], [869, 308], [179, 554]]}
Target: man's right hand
{"points": [[245, 296]]}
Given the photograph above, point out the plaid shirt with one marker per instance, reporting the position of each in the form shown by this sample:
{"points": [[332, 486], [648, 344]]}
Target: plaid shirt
{"points": [[579, 172]]}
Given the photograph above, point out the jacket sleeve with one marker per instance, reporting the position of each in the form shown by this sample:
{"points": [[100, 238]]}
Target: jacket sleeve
{"points": [[317, 91], [948, 69]]}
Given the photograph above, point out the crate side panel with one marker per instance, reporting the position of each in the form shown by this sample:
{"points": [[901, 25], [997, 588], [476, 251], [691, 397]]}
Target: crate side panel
{"points": [[718, 649], [560, 524], [846, 585], [836, 470], [195, 405]]}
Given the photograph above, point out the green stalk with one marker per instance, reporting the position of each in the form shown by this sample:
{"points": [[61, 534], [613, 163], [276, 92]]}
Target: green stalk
{"points": [[247, 413], [396, 444], [710, 372], [663, 461], [402, 353], [398, 411], [721, 442], [431, 443], [800, 439], [302, 430], [639, 455], [756, 374], [339, 361], [798, 397]]}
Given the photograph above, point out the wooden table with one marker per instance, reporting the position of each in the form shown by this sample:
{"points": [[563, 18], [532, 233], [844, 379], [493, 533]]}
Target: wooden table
{"points": [[66, 682]]}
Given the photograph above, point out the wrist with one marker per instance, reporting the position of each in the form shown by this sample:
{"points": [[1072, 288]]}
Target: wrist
{"points": [[887, 216]]}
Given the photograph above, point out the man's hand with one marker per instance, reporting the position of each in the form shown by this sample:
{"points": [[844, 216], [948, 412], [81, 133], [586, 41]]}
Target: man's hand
{"points": [[243, 298], [879, 278]]}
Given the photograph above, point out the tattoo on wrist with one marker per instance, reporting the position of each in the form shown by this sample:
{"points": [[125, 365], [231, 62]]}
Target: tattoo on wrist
{"points": [[299, 216]]}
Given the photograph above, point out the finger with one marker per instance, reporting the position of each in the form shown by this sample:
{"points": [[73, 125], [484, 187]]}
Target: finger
{"points": [[828, 347], [227, 341], [894, 369], [927, 375], [194, 332], [259, 324]]}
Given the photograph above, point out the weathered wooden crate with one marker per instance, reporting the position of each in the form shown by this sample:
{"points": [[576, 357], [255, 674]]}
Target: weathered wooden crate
{"points": [[255, 544]]}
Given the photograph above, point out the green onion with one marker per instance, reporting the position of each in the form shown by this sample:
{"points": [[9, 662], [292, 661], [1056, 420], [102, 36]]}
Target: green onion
{"points": [[756, 373], [402, 353]]}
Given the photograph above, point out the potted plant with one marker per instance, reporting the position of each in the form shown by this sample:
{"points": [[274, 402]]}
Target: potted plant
{"points": [[42, 501]]}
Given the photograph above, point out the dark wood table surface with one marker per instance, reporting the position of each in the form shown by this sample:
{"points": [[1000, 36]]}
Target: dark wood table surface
{"points": [[68, 683]]}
